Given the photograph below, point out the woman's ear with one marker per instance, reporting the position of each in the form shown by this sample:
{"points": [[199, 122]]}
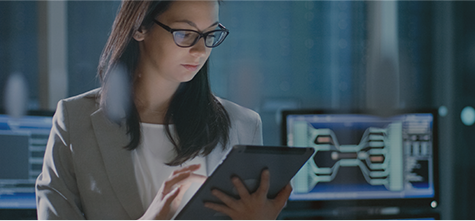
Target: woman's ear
{"points": [[139, 35]]}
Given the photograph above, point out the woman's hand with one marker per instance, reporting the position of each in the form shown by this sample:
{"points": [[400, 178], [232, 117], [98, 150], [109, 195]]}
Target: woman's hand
{"points": [[168, 198], [251, 206]]}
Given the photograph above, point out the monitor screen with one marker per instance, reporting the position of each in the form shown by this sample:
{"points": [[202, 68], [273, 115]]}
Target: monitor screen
{"points": [[362, 156], [399, 217], [22, 147]]}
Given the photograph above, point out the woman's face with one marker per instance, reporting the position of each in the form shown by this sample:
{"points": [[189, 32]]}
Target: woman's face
{"points": [[161, 57]]}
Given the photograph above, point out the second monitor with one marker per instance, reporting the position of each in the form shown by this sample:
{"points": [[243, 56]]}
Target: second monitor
{"points": [[365, 157]]}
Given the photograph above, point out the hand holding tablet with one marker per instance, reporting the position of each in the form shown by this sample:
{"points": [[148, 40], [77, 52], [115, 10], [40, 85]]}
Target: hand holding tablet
{"points": [[254, 179], [254, 205]]}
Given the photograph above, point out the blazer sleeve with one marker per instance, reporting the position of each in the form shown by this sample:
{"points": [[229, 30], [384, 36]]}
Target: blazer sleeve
{"points": [[57, 195], [257, 138]]}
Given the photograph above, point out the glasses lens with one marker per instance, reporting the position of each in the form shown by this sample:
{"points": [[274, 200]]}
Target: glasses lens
{"points": [[215, 38], [185, 38]]}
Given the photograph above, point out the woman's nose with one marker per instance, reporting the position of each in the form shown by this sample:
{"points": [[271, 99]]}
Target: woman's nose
{"points": [[199, 49]]}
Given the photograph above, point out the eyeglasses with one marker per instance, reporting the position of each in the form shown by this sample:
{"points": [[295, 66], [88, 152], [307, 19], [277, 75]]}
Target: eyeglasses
{"points": [[186, 38]]}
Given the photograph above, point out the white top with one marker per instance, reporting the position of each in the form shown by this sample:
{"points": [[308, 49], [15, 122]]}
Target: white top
{"points": [[149, 160]]}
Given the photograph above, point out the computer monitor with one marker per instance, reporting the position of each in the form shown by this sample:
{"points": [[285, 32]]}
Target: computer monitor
{"points": [[425, 216], [365, 157], [22, 147]]}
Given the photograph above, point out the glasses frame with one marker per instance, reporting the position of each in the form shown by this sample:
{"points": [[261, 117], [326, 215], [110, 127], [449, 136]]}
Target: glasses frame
{"points": [[200, 34]]}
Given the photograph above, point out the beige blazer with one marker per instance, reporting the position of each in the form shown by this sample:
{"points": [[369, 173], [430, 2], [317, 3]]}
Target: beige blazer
{"points": [[88, 175]]}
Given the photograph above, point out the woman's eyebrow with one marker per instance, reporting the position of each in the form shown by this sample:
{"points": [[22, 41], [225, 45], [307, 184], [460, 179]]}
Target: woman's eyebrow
{"points": [[194, 25]]}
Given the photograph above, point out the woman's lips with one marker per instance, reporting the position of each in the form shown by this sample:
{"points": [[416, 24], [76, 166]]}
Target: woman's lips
{"points": [[190, 67]]}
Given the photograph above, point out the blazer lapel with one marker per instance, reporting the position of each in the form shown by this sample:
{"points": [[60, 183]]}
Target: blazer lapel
{"points": [[118, 162], [217, 155]]}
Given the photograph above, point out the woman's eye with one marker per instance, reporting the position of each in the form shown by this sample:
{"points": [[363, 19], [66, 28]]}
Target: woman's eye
{"points": [[181, 34]]}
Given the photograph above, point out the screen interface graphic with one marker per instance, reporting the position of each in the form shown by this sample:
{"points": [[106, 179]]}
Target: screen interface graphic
{"points": [[363, 156]]}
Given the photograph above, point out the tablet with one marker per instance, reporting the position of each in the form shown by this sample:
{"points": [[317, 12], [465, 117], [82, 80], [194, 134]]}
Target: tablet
{"points": [[247, 163]]}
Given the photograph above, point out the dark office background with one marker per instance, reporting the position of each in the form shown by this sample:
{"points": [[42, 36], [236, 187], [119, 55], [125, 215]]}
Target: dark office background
{"points": [[300, 54]]}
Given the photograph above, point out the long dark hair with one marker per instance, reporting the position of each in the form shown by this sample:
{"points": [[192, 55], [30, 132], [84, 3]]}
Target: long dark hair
{"points": [[200, 121]]}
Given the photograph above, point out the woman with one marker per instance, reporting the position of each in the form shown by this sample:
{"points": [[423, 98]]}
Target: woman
{"points": [[101, 165]]}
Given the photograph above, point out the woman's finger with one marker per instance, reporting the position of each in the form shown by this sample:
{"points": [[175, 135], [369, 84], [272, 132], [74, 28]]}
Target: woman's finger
{"points": [[169, 184], [180, 175], [283, 195], [190, 168], [229, 201], [185, 180], [167, 203], [168, 199], [219, 208], [197, 178], [241, 188], [265, 182]]}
